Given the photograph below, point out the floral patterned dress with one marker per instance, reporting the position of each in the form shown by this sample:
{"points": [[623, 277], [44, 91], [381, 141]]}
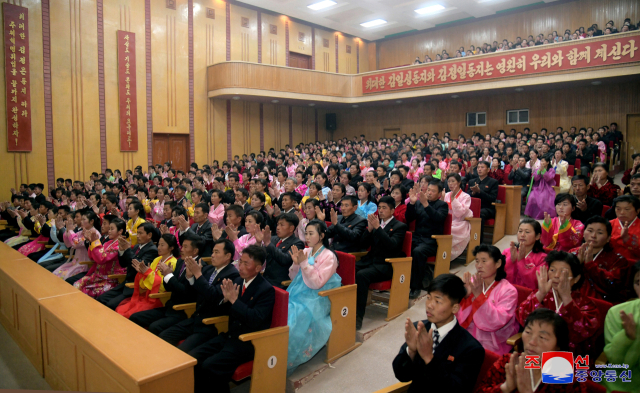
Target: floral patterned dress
{"points": [[97, 282]]}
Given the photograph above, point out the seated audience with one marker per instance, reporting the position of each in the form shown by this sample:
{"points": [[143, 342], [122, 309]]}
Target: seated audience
{"points": [[75, 240], [149, 279], [438, 354], [625, 232], [459, 203], [313, 270], [605, 271], [252, 299], [586, 206], [621, 337], [385, 237], [560, 167], [399, 194], [541, 193], [562, 233], [253, 224], [544, 331], [278, 246], [486, 189], [429, 213], [365, 205], [311, 210], [347, 229], [105, 258], [488, 309], [205, 282], [145, 251], [559, 290], [201, 227], [521, 176], [523, 259], [135, 212], [602, 186]]}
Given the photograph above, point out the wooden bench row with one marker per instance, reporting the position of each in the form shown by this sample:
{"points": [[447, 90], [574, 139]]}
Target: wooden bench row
{"points": [[78, 344]]}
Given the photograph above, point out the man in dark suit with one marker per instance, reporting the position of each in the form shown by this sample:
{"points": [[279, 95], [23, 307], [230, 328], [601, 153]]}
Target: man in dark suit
{"points": [[586, 206], [252, 299], [278, 259], [486, 189], [348, 228], [176, 282], [385, 235], [472, 171], [440, 355], [205, 283], [201, 227], [429, 213], [234, 217], [233, 180], [521, 176], [145, 251]]}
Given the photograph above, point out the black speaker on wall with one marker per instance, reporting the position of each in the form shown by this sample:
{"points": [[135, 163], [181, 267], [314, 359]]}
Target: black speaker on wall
{"points": [[332, 122]]}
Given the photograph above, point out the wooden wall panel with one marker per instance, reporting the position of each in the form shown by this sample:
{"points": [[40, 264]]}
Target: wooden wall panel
{"points": [[26, 167], [295, 45], [219, 148], [244, 40], [569, 15], [124, 15], [325, 57], [591, 106], [170, 67], [273, 45], [245, 127]]}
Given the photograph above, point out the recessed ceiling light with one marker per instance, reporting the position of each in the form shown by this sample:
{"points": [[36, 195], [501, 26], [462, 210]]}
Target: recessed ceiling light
{"points": [[372, 23], [399, 102], [596, 83], [455, 96], [429, 10], [354, 106], [312, 104], [275, 101], [519, 88], [321, 5], [236, 98]]}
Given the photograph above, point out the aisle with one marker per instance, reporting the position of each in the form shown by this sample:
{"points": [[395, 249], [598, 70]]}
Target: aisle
{"points": [[16, 372]]}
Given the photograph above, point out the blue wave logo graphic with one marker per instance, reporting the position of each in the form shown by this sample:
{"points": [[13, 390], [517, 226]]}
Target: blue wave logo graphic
{"points": [[557, 379]]}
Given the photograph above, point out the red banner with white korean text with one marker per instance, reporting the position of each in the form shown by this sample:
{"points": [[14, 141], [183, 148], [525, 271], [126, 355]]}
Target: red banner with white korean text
{"points": [[127, 91], [585, 53], [17, 78]]}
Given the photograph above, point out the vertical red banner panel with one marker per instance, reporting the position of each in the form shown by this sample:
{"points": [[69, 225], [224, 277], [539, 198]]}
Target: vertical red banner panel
{"points": [[17, 77], [127, 91]]}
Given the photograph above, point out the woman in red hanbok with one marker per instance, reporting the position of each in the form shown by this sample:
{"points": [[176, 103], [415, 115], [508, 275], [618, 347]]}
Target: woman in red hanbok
{"points": [[605, 271], [544, 331], [602, 186], [559, 290], [562, 233], [97, 280], [625, 229], [149, 279], [399, 194]]}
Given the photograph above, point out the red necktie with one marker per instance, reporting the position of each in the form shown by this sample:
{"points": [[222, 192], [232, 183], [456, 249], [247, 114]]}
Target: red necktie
{"points": [[244, 288], [279, 243]]}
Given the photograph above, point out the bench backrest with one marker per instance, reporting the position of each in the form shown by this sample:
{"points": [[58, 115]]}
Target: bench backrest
{"points": [[280, 308], [346, 268]]}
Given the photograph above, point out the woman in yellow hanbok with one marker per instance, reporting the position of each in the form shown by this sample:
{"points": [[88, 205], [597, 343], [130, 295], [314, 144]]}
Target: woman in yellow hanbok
{"points": [[135, 212]]}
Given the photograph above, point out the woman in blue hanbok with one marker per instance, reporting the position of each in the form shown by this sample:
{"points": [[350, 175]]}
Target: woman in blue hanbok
{"points": [[313, 270]]}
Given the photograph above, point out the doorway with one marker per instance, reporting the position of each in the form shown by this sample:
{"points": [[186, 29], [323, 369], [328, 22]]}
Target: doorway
{"points": [[173, 148], [297, 60], [632, 139]]}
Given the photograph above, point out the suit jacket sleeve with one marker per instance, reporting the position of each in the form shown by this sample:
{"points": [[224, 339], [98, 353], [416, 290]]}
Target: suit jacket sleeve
{"points": [[147, 255], [439, 214], [352, 234], [491, 194], [283, 258], [255, 316], [126, 258], [411, 214], [392, 242], [211, 293]]}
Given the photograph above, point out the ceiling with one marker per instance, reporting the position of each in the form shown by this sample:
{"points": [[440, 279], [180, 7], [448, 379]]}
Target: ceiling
{"points": [[347, 15]]}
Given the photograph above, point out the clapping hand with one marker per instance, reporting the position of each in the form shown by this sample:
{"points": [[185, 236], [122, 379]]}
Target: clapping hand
{"points": [[513, 252], [269, 209], [41, 219], [547, 219], [164, 268], [425, 343], [544, 283], [230, 290], [298, 256], [564, 287], [423, 198], [123, 244], [475, 188], [473, 284], [629, 325], [624, 233], [413, 193], [582, 205], [164, 229], [374, 222], [320, 214], [216, 231], [411, 337], [140, 267], [232, 233], [195, 268], [334, 217], [510, 382]]}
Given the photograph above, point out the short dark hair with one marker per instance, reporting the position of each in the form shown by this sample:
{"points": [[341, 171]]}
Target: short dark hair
{"points": [[565, 197], [228, 248], [389, 201], [560, 327], [486, 163], [204, 206], [196, 241], [496, 255], [569, 259], [350, 198], [237, 210], [584, 178], [290, 218], [629, 199], [436, 182], [257, 253], [449, 285], [147, 227]]}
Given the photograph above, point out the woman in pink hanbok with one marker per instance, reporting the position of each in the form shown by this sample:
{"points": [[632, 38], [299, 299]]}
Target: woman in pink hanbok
{"points": [[416, 171], [562, 233], [541, 192], [488, 311], [253, 224], [42, 227], [523, 259], [216, 212], [459, 203], [97, 280], [75, 241]]}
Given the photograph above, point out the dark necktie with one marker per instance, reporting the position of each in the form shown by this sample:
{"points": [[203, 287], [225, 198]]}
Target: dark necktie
{"points": [[213, 276], [436, 339], [137, 250]]}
